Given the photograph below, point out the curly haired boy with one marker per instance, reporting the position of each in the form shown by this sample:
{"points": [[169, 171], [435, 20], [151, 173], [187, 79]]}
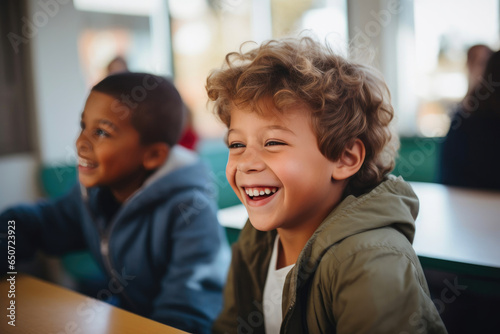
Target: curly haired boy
{"points": [[327, 247]]}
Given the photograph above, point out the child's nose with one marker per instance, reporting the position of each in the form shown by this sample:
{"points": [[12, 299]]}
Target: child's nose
{"points": [[250, 161], [83, 144]]}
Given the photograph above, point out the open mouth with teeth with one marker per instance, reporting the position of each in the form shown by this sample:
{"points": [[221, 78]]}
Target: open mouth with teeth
{"points": [[86, 163], [260, 193]]}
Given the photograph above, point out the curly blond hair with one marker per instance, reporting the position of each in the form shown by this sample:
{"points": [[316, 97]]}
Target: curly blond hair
{"points": [[347, 100]]}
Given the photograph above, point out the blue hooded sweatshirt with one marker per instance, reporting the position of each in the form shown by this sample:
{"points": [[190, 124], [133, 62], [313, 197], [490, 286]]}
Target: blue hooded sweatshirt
{"points": [[163, 250]]}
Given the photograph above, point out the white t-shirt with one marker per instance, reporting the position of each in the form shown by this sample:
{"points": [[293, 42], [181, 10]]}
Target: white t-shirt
{"points": [[273, 291]]}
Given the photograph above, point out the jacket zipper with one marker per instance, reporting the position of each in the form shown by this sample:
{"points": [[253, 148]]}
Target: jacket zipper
{"points": [[284, 323], [105, 237], [105, 253]]}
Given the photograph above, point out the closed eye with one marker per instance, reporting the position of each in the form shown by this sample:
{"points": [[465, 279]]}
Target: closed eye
{"points": [[274, 143], [235, 145]]}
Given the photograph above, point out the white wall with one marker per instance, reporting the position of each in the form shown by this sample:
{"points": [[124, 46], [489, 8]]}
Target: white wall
{"points": [[18, 179], [381, 34], [59, 94], [59, 87]]}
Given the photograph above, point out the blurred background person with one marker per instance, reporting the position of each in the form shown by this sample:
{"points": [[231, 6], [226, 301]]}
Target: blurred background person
{"points": [[117, 65], [477, 58], [471, 150]]}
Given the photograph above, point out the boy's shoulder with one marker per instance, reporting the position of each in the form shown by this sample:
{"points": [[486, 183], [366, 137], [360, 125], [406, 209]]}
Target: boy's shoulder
{"points": [[371, 265], [376, 271], [371, 245]]}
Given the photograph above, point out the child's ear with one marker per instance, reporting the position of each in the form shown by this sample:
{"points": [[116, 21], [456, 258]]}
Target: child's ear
{"points": [[350, 161], [156, 154]]}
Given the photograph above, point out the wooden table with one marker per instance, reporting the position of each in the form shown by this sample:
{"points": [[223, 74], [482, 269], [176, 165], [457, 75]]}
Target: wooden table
{"points": [[456, 229], [44, 308]]}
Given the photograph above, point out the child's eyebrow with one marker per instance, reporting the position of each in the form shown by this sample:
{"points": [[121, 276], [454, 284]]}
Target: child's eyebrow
{"points": [[270, 127], [279, 127], [108, 123]]}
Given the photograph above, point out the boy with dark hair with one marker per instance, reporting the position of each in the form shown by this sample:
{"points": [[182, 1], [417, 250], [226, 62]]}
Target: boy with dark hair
{"points": [[143, 206], [328, 244]]}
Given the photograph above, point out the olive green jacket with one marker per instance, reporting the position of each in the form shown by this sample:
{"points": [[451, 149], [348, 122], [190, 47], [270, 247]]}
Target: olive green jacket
{"points": [[358, 273]]}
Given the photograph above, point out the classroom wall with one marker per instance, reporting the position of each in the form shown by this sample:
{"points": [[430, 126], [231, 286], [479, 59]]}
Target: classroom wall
{"points": [[59, 87], [59, 94], [375, 28], [18, 179]]}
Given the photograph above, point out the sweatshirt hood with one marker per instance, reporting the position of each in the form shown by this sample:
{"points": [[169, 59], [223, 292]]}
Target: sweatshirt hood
{"points": [[392, 203]]}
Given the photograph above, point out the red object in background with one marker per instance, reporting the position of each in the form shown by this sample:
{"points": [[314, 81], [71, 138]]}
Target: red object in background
{"points": [[189, 139]]}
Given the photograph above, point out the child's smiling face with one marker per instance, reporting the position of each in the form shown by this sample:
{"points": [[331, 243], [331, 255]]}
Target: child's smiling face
{"points": [[276, 169], [109, 149]]}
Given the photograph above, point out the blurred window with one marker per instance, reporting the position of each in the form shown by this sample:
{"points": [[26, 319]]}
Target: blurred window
{"points": [[197, 34], [106, 35], [444, 30], [326, 19], [204, 31]]}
